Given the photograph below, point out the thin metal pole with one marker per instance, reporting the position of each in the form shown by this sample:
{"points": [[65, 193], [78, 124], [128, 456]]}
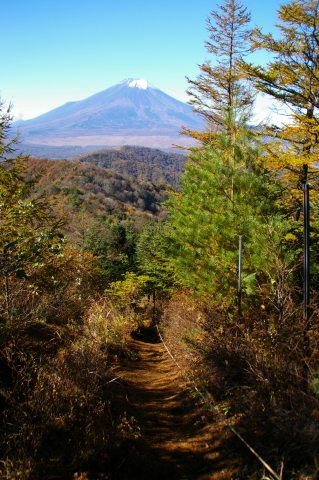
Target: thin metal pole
{"points": [[240, 257], [306, 269], [154, 304]]}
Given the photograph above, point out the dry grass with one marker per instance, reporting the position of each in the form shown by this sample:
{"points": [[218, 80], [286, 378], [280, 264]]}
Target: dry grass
{"points": [[57, 416], [107, 323], [254, 370]]}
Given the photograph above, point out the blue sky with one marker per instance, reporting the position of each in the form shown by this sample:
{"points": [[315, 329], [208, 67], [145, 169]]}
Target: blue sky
{"points": [[54, 51]]}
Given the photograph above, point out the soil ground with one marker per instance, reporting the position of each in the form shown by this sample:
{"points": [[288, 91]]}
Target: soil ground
{"points": [[174, 436]]}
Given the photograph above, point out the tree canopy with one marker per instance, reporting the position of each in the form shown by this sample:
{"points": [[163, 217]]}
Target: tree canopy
{"points": [[218, 94], [292, 78]]}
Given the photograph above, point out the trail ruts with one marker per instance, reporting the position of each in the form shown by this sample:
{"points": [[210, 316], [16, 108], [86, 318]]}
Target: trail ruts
{"points": [[177, 439]]}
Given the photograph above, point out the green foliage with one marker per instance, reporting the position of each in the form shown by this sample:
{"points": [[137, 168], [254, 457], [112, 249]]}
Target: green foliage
{"points": [[29, 236], [28, 230], [29, 233], [141, 163], [113, 243], [314, 384], [224, 194], [129, 290], [6, 144], [248, 283], [151, 256]]}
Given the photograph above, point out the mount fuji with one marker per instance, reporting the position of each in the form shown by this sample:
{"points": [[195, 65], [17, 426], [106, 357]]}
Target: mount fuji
{"points": [[132, 112]]}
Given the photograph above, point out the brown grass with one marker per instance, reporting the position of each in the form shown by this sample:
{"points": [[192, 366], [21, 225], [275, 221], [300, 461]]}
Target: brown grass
{"points": [[57, 415], [253, 369]]}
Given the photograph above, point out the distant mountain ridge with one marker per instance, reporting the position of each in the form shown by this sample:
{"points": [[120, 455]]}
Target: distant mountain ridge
{"points": [[132, 112]]}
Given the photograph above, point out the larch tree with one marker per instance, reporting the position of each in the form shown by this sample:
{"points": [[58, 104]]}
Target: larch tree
{"points": [[219, 94], [292, 78]]}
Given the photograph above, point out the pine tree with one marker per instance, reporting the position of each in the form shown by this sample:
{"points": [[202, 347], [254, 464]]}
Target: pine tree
{"points": [[29, 233], [222, 197], [219, 94], [113, 242], [151, 253]]}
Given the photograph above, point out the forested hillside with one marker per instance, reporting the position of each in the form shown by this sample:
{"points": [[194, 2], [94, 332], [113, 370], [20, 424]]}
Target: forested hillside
{"points": [[146, 164], [158, 332], [82, 192]]}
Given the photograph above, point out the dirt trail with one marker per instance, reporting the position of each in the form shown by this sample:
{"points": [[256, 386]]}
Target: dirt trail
{"points": [[178, 439]]}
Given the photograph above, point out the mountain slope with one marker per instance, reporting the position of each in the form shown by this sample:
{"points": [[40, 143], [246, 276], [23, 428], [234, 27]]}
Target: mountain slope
{"points": [[83, 193], [129, 110], [141, 163], [92, 187]]}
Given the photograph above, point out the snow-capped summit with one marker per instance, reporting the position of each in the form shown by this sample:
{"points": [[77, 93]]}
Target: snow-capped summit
{"points": [[138, 83], [131, 112]]}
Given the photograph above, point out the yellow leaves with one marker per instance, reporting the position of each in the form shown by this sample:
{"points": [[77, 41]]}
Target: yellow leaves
{"points": [[294, 145], [203, 138], [290, 237], [296, 12], [130, 289], [176, 195]]}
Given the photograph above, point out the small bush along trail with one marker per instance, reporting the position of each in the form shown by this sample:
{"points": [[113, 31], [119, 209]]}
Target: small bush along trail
{"points": [[172, 436]]}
